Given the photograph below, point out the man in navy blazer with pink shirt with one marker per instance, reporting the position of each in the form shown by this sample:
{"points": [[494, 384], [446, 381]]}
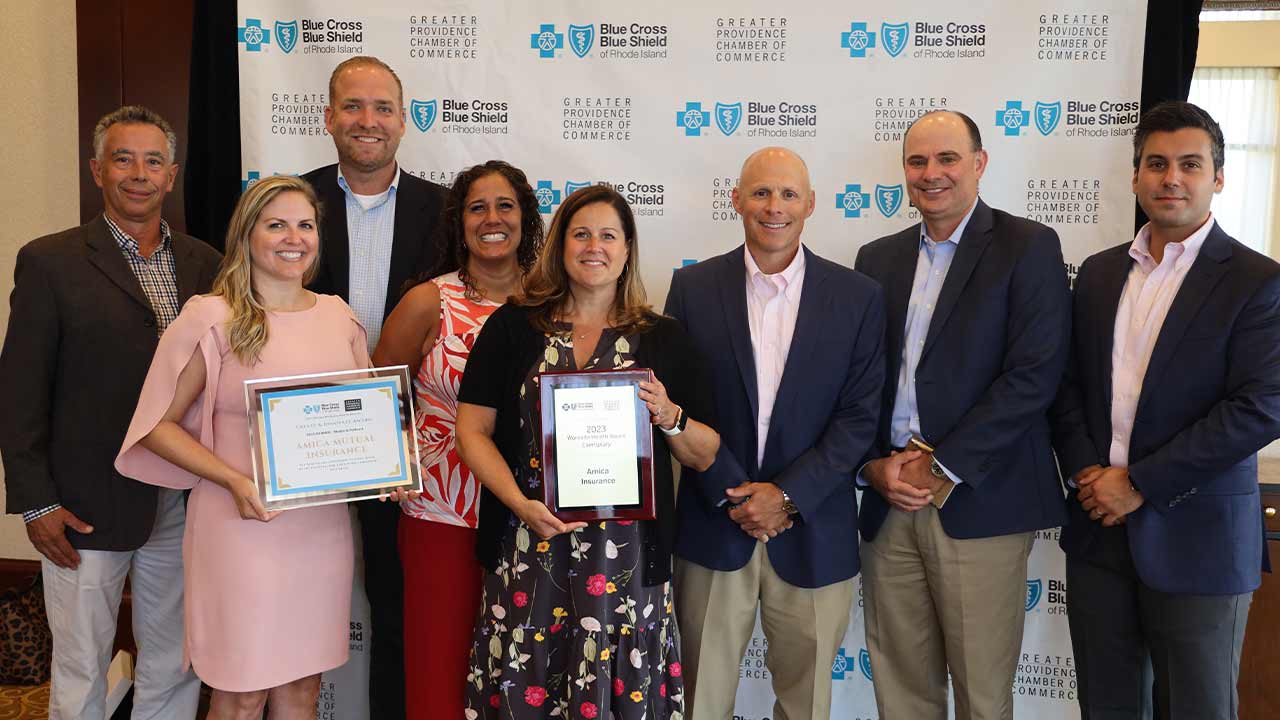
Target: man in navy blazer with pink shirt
{"points": [[1173, 387], [794, 343]]}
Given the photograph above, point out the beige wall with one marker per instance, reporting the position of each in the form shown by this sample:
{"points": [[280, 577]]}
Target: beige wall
{"points": [[1239, 44], [41, 188], [1244, 44]]}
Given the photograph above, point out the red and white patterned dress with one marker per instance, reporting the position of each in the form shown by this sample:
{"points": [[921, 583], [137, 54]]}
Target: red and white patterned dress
{"points": [[450, 492], [442, 578]]}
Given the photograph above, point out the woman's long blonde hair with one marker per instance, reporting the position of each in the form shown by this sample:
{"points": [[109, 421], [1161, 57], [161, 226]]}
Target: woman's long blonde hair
{"points": [[547, 284], [247, 326]]}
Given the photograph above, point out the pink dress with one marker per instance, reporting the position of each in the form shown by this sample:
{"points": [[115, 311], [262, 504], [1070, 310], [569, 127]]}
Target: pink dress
{"points": [[266, 603]]}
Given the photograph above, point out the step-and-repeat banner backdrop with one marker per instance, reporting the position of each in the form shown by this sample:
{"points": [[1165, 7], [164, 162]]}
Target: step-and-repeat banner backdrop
{"points": [[664, 99]]}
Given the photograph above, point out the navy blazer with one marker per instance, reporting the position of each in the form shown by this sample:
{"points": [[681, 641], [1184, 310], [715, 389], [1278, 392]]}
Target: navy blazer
{"points": [[419, 204], [992, 359], [823, 418], [1210, 400]]}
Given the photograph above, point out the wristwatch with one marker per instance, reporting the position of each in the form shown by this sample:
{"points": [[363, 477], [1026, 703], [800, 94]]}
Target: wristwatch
{"points": [[682, 421], [788, 505], [936, 469]]}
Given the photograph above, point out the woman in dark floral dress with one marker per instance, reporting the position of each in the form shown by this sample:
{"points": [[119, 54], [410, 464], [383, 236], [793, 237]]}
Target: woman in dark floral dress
{"points": [[576, 618]]}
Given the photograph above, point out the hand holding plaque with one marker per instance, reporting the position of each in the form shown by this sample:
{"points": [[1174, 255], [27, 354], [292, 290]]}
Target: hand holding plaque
{"points": [[597, 442]]}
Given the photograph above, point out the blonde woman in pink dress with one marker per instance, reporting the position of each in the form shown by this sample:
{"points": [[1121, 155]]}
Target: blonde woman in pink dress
{"points": [[268, 595], [492, 232]]}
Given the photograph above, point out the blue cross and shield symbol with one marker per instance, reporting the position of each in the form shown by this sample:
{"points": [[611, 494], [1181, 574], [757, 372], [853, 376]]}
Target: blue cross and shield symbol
{"points": [[893, 37], [853, 201], [581, 38], [287, 35], [858, 40], [1013, 118], [1047, 116], [728, 117], [548, 197], [840, 665], [424, 114], [864, 663], [888, 199], [571, 187], [253, 35], [693, 118], [546, 41], [1035, 590]]}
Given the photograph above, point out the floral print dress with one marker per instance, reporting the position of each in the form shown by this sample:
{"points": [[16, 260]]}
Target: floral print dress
{"points": [[566, 629]]}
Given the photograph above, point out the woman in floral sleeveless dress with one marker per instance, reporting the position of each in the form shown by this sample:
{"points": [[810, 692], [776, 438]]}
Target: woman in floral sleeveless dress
{"points": [[576, 618]]}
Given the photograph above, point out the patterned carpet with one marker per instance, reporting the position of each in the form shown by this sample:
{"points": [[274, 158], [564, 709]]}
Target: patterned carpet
{"points": [[24, 703]]}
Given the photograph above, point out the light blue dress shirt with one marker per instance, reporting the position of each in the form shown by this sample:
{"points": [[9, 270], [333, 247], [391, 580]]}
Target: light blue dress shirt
{"points": [[931, 272], [371, 224]]}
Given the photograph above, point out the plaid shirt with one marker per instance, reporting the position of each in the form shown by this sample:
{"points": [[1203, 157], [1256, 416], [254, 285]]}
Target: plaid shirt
{"points": [[370, 232], [157, 274], [159, 280]]}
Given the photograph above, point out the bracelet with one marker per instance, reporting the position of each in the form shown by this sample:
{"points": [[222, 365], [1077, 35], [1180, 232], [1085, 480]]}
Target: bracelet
{"points": [[681, 421]]}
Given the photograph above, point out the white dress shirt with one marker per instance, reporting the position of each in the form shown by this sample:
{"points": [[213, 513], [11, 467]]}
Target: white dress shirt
{"points": [[773, 302], [1148, 293]]}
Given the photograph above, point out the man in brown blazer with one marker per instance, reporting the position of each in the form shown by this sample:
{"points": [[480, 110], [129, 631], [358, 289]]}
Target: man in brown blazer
{"points": [[87, 309]]}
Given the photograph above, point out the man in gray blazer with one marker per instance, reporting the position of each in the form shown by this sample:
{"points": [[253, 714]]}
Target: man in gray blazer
{"points": [[87, 310]]}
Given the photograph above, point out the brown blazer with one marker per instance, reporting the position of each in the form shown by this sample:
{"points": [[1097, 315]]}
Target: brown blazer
{"points": [[80, 339]]}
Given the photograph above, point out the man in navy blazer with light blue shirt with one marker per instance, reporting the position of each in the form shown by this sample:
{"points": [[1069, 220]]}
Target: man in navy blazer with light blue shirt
{"points": [[794, 343], [1173, 387], [978, 322]]}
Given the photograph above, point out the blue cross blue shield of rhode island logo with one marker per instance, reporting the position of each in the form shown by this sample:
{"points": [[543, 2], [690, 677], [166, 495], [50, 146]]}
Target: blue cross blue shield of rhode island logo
{"points": [[1047, 116], [1035, 589], [287, 35], [728, 117], [893, 37], [888, 199], [581, 38], [864, 663], [424, 114]]}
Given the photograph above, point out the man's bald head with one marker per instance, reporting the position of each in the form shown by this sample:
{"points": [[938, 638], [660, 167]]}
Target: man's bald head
{"points": [[948, 117], [774, 158], [774, 198]]}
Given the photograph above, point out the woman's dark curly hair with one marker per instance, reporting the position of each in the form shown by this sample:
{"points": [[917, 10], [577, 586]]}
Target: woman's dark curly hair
{"points": [[451, 245]]}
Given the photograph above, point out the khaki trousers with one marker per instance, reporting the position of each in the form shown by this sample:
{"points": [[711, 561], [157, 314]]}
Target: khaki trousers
{"points": [[83, 605], [934, 603], [804, 627]]}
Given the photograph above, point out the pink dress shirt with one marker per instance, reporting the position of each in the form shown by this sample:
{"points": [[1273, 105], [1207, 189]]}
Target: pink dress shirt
{"points": [[773, 302], [1148, 294]]}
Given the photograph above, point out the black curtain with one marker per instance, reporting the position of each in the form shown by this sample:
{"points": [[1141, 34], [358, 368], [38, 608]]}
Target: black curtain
{"points": [[213, 171], [1168, 58], [212, 175]]}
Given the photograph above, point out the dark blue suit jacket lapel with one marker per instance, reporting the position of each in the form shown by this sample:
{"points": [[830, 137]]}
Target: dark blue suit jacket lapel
{"points": [[1210, 265], [899, 275], [977, 235], [804, 342], [733, 293]]}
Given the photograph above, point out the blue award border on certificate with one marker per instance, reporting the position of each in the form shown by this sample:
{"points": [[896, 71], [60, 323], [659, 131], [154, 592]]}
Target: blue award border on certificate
{"points": [[265, 398]]}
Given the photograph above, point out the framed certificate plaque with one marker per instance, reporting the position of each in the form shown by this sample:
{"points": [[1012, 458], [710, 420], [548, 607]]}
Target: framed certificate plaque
{"points": [[597, 445], [332, 437]]}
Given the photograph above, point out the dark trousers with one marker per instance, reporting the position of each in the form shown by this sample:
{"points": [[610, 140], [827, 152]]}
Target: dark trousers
{"points": [[1143, 654], [384, 585]]}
